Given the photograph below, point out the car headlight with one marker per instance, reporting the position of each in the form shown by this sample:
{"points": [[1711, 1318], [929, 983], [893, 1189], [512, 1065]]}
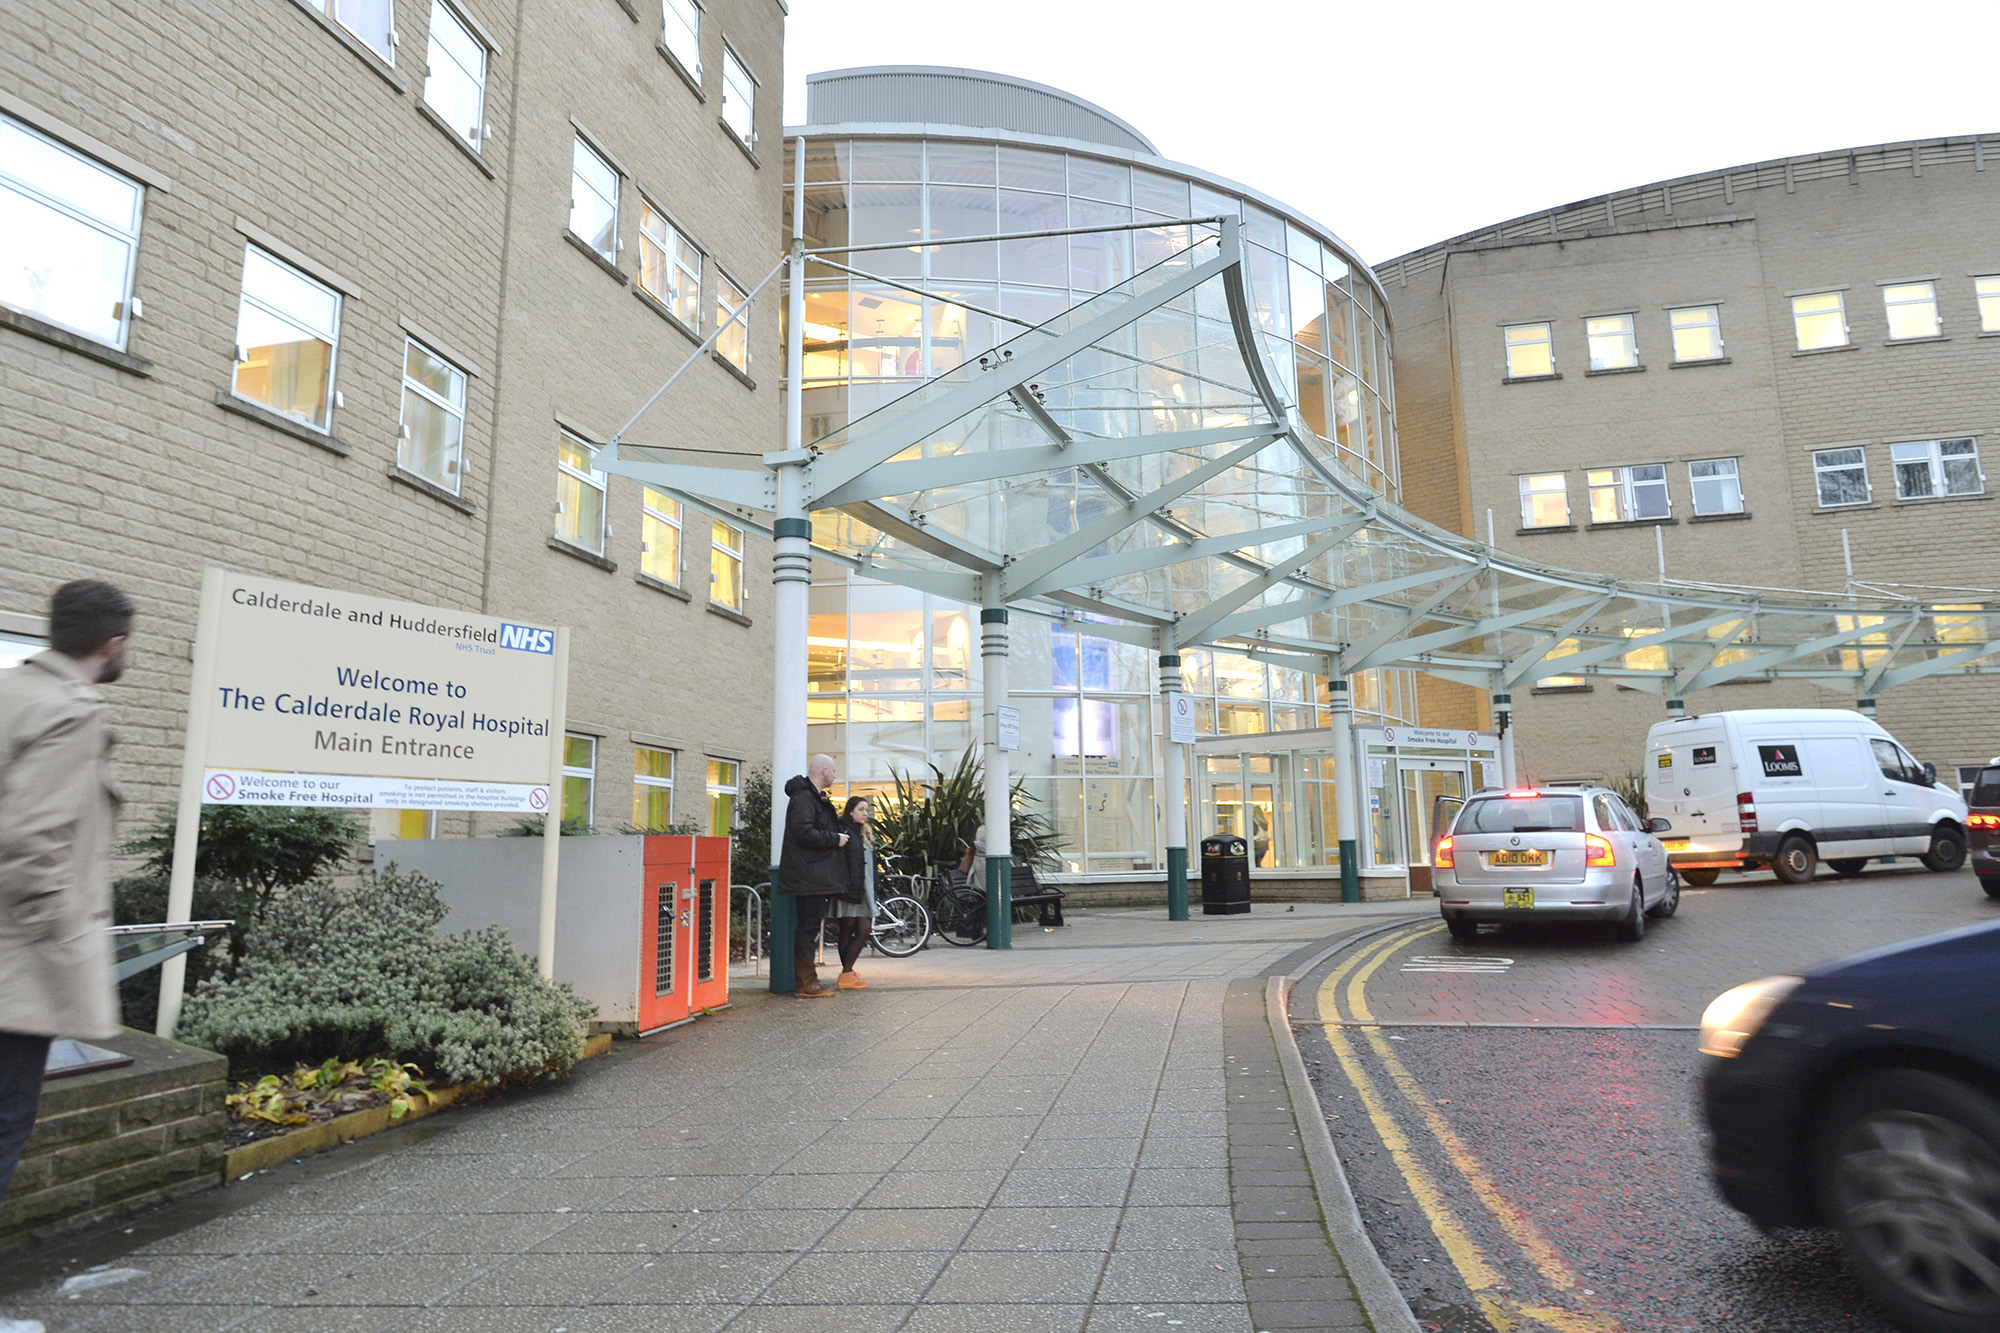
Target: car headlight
{"points": [[1734, 1016]]}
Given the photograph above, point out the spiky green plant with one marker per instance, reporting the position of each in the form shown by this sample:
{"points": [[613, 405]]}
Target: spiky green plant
{"points": [[933, 819]]}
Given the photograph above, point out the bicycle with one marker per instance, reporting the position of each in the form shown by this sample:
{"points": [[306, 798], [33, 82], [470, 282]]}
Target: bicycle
{"points": [[958, 910]]}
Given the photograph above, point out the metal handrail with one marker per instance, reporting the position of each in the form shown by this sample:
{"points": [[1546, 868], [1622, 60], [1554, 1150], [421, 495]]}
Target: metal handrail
{"points": [[753, 924], [139, 949]]}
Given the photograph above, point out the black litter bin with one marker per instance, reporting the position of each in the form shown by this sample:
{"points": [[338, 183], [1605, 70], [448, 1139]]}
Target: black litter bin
{"points": [[1225, 876]]}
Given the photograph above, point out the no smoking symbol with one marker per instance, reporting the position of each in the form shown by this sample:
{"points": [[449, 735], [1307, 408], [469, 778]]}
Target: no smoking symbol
{"points": [[221, 787], [539, 798]]}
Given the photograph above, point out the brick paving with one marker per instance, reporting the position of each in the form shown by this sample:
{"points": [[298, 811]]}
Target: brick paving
{"points": [[1089, 1132]]}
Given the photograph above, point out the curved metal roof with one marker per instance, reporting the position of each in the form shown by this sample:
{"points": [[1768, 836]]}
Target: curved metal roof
{"points": [[939, 94]]}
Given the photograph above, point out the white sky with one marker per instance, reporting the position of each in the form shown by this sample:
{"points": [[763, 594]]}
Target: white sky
{"points": [[1399, 125]]}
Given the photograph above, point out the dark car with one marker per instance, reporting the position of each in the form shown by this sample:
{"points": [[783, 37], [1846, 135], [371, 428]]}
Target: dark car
{"points": [[1865, 1096], [1982, 829]]}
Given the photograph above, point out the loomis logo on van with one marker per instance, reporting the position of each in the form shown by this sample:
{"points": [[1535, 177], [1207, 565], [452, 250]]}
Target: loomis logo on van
{"points": [[527, 638], [1780, 761]]}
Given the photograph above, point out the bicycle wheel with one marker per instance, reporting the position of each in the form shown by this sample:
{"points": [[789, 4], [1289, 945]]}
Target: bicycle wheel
{"points": [[962, 917], [901, 927]]}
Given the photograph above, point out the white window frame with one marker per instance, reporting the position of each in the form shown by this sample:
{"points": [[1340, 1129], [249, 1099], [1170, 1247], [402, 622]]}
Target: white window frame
{"points": [[1986, 294], [456, 471], [1508, 342], [578, 182], [1593, 335], [646, 782], [597, 481], [1713, 321], [673, 246], [1624, 486], [442, 13], [1930, 453], [386, 52], [1529, 491], [725, 284], [732, 790], [1889, 308], [739, 88], [122, 307], [680, 34], [1732, 479], [649, 514], [1839, 310], [1822, 468], [253, 252], [718, 552], [587, 775]]}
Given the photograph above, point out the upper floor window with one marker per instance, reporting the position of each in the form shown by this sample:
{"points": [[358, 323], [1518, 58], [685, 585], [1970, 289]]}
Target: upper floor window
{"points": [[682, 35], [739, 98], [72, 229], [1912, 310], [652, 788], [1614, 342], [1629, 494], [373, 21], [579, 495], [669, 267], [660, 536], [287, 336], [733, 344], [579, 779], [1926, 469], [455, 81], [1820, 320], [1544, 500], [1987, 289], [433, 435], [722, 792], [1697, 331], [1841, 476], [1531, 351], [725, 566], [593, 201], [1715, 485]]}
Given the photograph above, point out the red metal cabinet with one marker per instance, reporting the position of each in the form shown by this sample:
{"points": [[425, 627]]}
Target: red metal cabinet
{"points": [[684, 930]]}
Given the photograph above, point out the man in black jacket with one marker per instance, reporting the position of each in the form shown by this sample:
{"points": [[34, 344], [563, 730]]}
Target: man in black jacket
{"points": [[810, 867]]}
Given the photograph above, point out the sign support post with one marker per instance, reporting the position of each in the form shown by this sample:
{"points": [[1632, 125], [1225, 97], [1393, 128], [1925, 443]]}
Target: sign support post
{"points": [[187, 817], [545, 952]]}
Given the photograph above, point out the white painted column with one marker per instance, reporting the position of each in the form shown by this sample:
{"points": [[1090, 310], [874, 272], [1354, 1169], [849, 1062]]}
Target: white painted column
{"points": [[1173, 795], [1503, 722], [791, 588], [999, 782], [1346, 789]]}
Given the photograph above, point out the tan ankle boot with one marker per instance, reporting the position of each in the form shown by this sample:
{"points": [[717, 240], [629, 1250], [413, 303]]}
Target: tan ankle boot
{"points": [[851, 981]]}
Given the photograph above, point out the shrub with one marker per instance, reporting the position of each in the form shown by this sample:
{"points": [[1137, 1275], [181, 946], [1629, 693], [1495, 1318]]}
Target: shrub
{"points": [[934, 819], [750, 840], [359, 972]]}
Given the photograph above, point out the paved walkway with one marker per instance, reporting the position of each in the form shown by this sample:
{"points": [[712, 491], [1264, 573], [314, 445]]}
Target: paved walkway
{"points": [[1085, 1133]]}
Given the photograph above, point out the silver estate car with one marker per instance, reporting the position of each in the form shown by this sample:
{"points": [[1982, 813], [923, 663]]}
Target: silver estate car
{"points": [[1552, 854]]}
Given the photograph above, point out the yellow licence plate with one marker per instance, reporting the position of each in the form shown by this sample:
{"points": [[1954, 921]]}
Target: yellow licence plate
{"points": [[1517, 858], [1675, 844], [1518, 898]]}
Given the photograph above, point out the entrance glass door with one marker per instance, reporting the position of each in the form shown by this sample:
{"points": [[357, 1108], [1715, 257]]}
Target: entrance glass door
{"points": [[1422, 785], [1264, 849]]}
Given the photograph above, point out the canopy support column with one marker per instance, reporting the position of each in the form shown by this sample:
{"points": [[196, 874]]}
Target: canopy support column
{"points": [[1866, 704], [1173, 795], [999, 802], [1503, 723], [791, 592], [1346, 800]]}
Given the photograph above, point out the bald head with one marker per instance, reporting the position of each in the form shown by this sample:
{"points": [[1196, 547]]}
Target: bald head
{"points": [[820, 770]]}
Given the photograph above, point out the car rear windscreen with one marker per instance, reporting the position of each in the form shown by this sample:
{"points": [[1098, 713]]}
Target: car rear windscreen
{"points": [[1987, 790], [1523, 814]]}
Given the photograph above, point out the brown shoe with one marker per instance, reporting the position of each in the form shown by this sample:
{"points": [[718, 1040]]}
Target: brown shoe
{"points": [[852, 981], [808, 987]]}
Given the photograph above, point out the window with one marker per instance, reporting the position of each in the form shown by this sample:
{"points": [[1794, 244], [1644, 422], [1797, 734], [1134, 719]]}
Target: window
{"points": [[579, 778], [1955, 633], [669, 267], [72, 229], [1544, 500], [1566, 648], [1697, 331], [1864, 657], [369, 20], [733, 345], [725, 566], [1629, 494], [287, 330], [1715, 486], [433, 434], [1614, 342], [1650, 657], [455, 84], [1821, 321], [721, 796], [1912, 310], [1929, 468], [1895, 765], [579, 495], [682, 36], [660, 536], [652, 789], [1842, 477], [593, 202], [1531, 351], [1988, 291], [739, 99]]}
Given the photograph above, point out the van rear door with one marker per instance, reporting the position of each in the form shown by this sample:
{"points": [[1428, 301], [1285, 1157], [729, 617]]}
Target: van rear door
{"points": [[1691, 783]]}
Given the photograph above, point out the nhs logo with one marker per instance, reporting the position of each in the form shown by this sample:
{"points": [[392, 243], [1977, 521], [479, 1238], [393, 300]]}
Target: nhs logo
{"points": [[527, 639]]}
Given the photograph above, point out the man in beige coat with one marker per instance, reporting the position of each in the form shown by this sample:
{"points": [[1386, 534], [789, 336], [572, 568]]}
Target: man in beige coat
{"points": [[58, 816]]}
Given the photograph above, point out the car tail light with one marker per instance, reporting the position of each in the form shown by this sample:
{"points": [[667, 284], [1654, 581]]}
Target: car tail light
{"points": [[1521, 795], [1984, 821], [1442, 859], [1597, 851], [1746, 812]]}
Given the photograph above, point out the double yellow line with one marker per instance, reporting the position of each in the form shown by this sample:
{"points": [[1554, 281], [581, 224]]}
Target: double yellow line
{"points": [[1488, 1286]]}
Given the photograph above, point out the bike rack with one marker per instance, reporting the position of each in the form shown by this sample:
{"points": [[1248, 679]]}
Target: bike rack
{"points": [[753, 925]]}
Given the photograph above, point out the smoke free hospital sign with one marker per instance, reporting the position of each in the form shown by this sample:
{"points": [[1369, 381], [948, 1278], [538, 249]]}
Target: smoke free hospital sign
{"points": [[316, 697]]}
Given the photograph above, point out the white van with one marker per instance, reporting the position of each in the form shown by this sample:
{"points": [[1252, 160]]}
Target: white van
{"points": [[1784, 788]]}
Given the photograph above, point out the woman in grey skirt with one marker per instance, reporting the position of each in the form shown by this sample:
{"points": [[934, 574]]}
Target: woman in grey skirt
{"points": [[855, 912]]}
